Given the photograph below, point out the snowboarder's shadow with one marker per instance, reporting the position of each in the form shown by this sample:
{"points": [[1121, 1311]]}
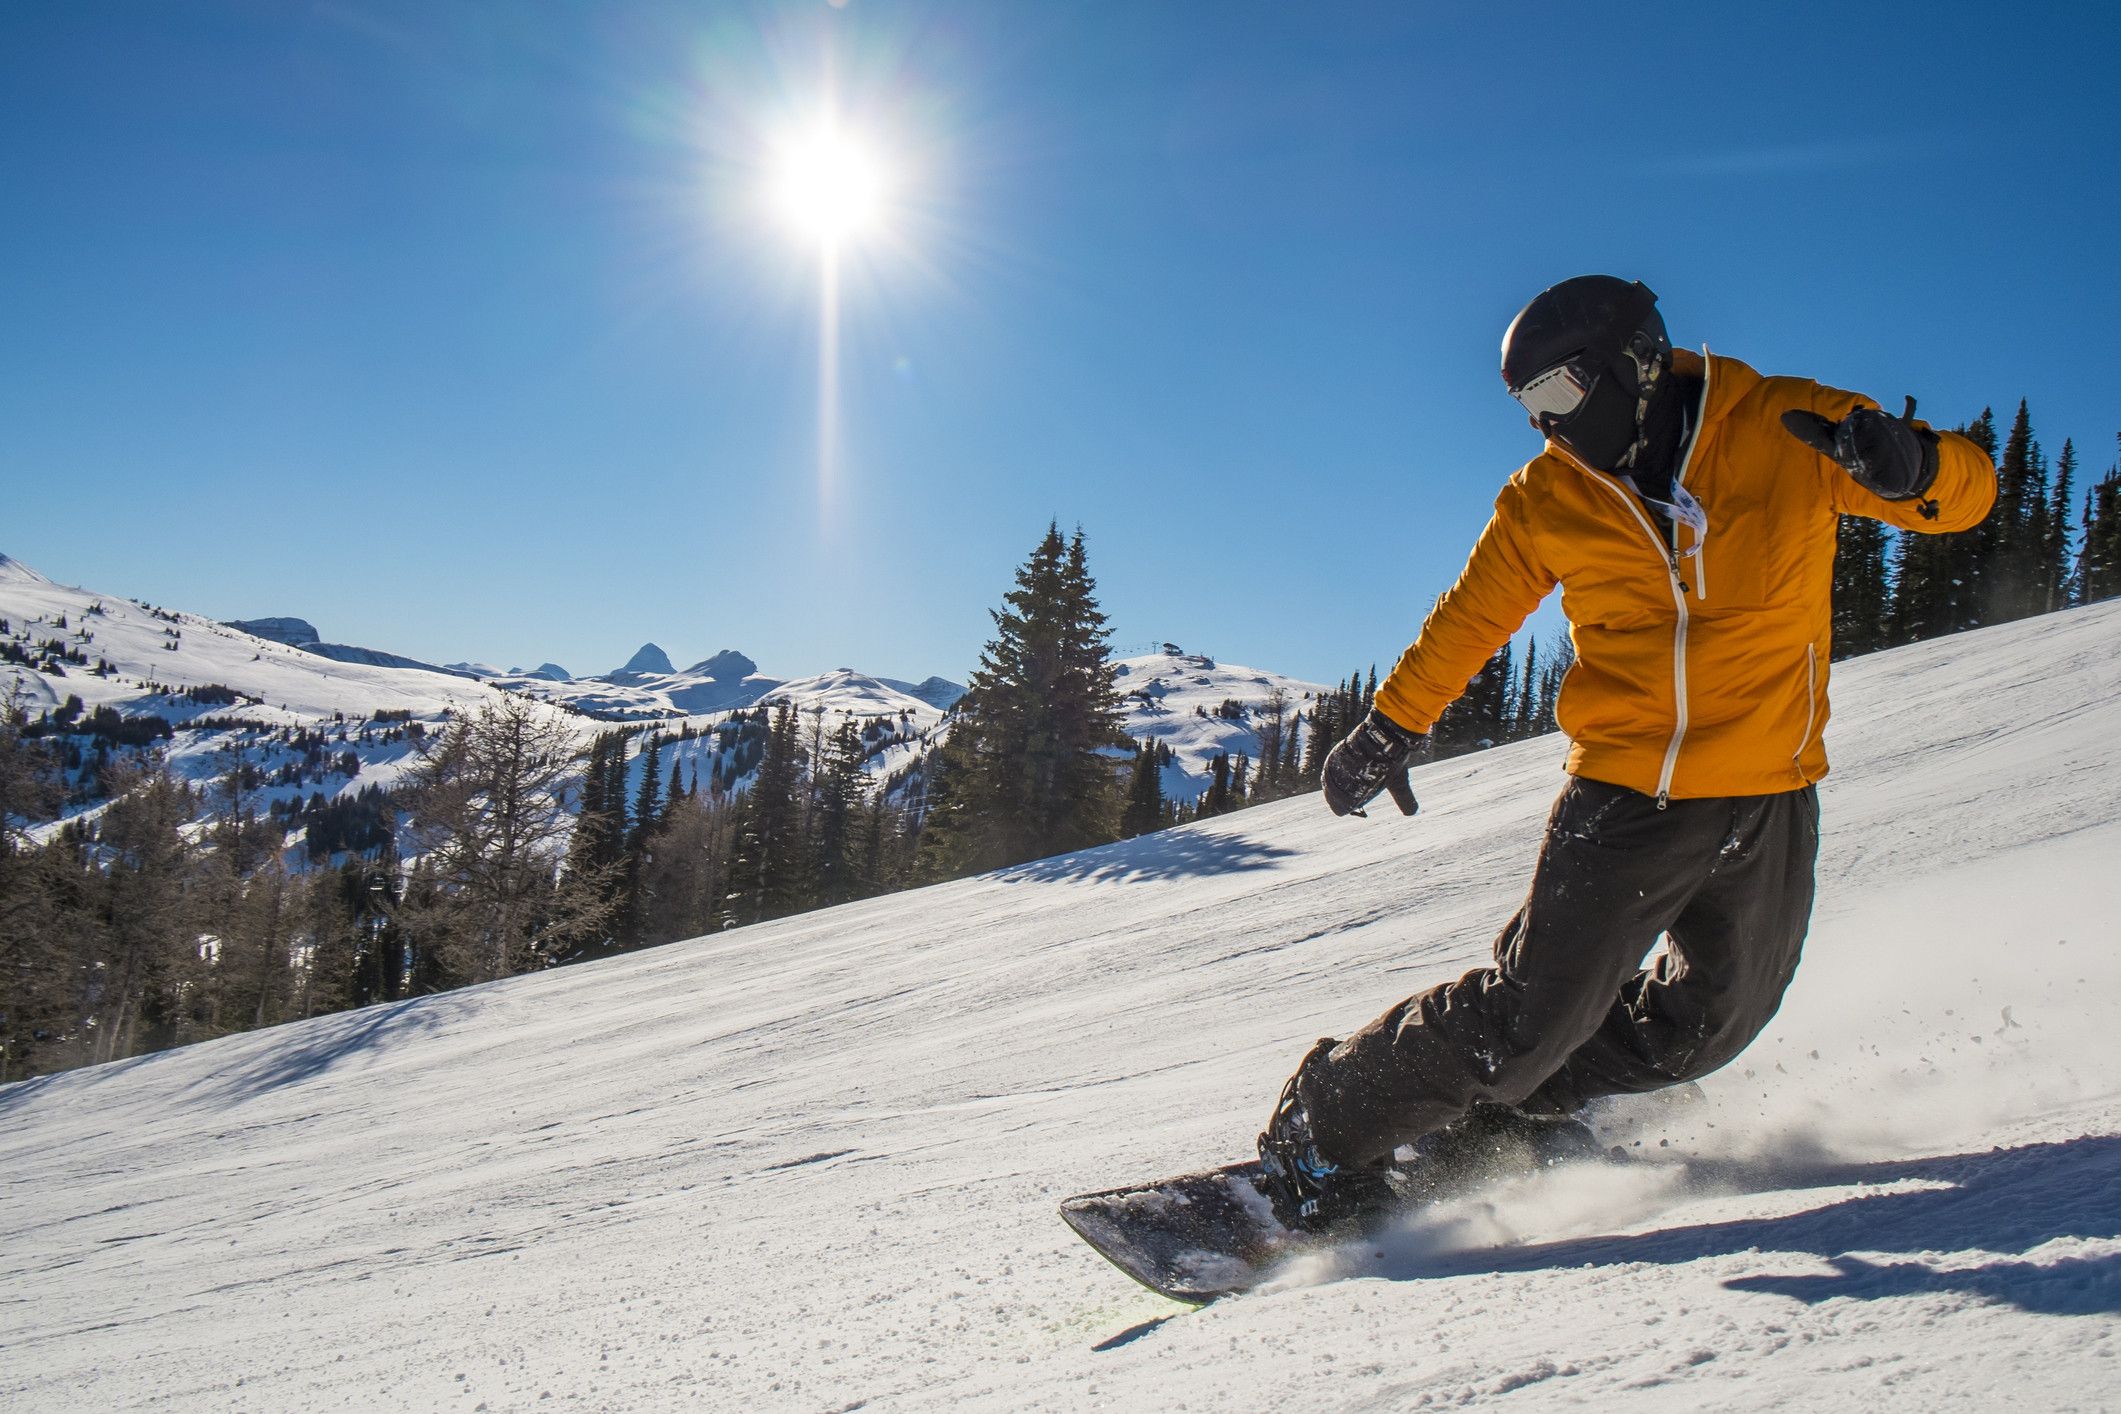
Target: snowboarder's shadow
{"points": [[2006, 1202]]}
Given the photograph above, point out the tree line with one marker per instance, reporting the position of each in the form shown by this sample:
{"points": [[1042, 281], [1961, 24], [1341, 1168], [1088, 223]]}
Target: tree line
{"points": [[2040, 549]]}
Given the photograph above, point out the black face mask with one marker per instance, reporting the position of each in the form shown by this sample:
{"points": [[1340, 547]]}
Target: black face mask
{"points": [[1602, 428]]}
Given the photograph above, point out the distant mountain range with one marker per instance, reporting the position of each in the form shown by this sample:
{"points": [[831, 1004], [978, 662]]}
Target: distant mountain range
{"points": [[646, 687], [214, 683]]}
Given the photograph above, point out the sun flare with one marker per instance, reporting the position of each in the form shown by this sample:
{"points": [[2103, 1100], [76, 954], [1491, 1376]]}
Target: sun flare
{"points": [[830, 187]]}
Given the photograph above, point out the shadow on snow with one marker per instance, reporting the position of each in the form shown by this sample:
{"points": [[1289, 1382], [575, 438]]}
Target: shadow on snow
{"points": [[2007, 1201], [1167, 854], [290, 1055], [329, 1041]]}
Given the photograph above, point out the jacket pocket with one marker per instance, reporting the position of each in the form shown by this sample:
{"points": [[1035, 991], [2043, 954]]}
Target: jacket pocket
{"points": [[1811, 703]]}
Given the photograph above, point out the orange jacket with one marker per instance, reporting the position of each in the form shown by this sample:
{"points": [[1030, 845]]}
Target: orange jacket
{"points": [[1701, 673]]}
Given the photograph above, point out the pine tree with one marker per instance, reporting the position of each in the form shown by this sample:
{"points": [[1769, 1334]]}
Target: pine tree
{"points": [[1322, 734], [769, 874], [1033, 732], [1145, 794], [1479, 716], [647, 801], [2012, 538], [1861, 590], [941, 816], [1525, 715], [838, 791], [2056, 558], [1216, 800], [1289, 775], [1938, 579], [1273, 726], [2099, 560]]}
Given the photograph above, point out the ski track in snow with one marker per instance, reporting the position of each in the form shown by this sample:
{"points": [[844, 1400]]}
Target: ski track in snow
{"points": [[813, 1165]]}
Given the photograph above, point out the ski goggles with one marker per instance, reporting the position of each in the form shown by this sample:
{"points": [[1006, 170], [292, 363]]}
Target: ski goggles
{"points": [[1556, 393]]}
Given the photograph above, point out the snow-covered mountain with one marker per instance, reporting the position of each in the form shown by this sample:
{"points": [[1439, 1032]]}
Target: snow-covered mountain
{"points": [[1200, 709], [60, 636], [145, 661], [814, 1164], [647, 688]]}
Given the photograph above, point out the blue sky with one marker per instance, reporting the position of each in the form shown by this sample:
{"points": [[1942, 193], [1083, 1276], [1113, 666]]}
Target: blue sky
{"points": [[457, 329]]}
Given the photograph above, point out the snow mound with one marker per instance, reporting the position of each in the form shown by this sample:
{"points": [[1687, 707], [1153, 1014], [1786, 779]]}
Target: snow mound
{"points": [[814, 1164]]}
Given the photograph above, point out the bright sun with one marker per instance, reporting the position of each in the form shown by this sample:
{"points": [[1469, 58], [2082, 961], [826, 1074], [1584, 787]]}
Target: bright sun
{"points": [[830, 187]]}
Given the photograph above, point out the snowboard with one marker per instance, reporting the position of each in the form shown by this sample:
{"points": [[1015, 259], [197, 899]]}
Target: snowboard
{"points": [[1200, 1236], [1191, 1238]]}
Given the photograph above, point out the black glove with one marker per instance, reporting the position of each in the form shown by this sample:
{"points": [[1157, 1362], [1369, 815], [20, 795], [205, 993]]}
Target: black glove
{"points": [[1370, 759], [1889, 456]]}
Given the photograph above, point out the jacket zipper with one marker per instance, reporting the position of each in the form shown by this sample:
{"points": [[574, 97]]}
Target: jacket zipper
{"points": [[1811, 703], [1679, 588], [1670, 556]]}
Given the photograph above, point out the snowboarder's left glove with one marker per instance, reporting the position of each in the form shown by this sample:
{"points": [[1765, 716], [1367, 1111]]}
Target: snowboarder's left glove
{"points": [[1370, 759], [1888, 456]]}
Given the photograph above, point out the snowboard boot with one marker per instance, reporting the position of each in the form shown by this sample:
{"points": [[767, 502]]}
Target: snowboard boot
{"points": [[1495, 1141], [1310, 1192]]}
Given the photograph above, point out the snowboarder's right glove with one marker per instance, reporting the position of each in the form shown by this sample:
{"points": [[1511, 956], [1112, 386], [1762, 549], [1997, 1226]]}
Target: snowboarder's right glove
{"points": [[1370, 759], [1888, 456]]}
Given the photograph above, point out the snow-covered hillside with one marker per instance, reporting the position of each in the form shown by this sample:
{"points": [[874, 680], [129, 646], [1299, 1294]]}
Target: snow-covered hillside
{"points": [[264, 699], [813, 1165], [309, 724], [1200, 709], [153, 651]]}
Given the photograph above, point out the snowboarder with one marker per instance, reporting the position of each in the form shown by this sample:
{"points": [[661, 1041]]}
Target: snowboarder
{"points": [[1687, 507]]}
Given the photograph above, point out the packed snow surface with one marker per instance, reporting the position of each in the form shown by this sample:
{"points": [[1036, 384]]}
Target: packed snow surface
{"points": [[814, 1165]]}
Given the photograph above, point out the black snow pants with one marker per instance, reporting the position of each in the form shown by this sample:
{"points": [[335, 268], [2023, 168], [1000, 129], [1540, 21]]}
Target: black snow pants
{"points": [[1568, 1013]]}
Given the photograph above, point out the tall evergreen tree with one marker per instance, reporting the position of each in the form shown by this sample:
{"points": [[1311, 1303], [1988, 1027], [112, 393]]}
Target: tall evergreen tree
{"points": [[1216, 799], [1524, 715], [1938, 579], [2056, 559], [768, 876], [1145, 794], [1272, 718], [2012, 538], [1034, 773], [1862, 592], [1288, 775], [839, 788], [2099, 560], [648, 800]]}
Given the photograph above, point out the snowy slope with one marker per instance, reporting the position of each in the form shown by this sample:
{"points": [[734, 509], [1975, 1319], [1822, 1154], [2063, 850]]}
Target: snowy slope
{"points": [[813, 1165]]}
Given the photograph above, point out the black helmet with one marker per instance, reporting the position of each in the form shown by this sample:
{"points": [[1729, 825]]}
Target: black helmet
{"points": [[1585, 358]]}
